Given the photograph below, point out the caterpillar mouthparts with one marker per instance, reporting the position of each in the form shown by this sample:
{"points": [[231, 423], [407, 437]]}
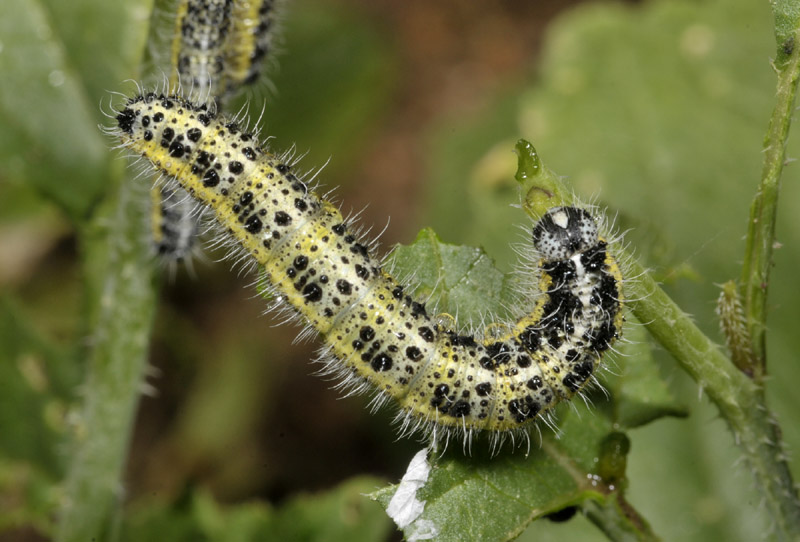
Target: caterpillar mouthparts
{"points": [[376, 336]]}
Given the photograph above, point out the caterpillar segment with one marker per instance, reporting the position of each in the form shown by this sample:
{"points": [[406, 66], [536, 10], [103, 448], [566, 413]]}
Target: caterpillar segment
{"points": [[198, 54], [250, 42]]}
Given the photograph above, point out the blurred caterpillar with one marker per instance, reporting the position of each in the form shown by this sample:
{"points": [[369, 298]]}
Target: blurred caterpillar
{"points": [[174, 223], [250, 42], [376, 335]]}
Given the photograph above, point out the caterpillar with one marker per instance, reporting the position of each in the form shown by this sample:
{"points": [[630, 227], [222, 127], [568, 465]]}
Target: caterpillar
{"points": [[376, 336], [221, 45], [174, 223], [218, 46], [251, 40]]}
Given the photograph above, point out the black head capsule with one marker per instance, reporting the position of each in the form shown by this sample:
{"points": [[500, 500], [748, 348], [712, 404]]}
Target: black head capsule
{"points": [[563, 232]]}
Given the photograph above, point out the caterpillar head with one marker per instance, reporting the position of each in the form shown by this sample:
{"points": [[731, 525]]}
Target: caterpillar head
{"points": [[563, 232]]}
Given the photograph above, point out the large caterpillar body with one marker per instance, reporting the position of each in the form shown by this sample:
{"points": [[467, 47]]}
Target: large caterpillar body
{"points": [[374, 332]]}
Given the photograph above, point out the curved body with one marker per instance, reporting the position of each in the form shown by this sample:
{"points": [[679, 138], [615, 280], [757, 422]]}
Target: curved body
{"points": [[374, 332]]}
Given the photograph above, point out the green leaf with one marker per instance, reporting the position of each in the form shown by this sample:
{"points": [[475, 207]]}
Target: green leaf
{"points": [[480, 497], [459, 280]]}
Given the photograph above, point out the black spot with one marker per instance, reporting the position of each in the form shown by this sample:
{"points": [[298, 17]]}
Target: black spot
{"points": [[381, 362], [413, 353], [211, 178], [298, 285], [500, 353], [344, 287], [125, 120], [788, 46], [534, 383], [362, 272], [462, 340], [246, 198], [253, 224], [338, 229], [601, 338], [483, 389], [312, 292], [158, 117], [441, 390], [358, 248], [554, 340], [194, 134], [300, 204], [580, 372], [168, 134], [249, 153], [572, 355], [366, 334], [594, 259], [176, 149], [418, 309], [426, 333], [460, 409], [282, 218], [300, 262], [565, 514], [235, 167], [523, 410], [523, 361], [204, 160]]}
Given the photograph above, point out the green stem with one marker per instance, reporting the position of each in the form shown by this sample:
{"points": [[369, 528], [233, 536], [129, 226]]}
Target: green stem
{"points": [[739, 399], [122, 303], [763, 210], [618, 520]]}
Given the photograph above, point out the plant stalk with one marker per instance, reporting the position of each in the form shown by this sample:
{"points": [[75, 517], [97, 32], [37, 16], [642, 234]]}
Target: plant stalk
{"points": [[739, 399], [763, 210], [122, 304]]}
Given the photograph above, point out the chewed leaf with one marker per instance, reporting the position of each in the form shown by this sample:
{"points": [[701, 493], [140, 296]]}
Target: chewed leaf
{"points": [[457, 279], [498, 497]]}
